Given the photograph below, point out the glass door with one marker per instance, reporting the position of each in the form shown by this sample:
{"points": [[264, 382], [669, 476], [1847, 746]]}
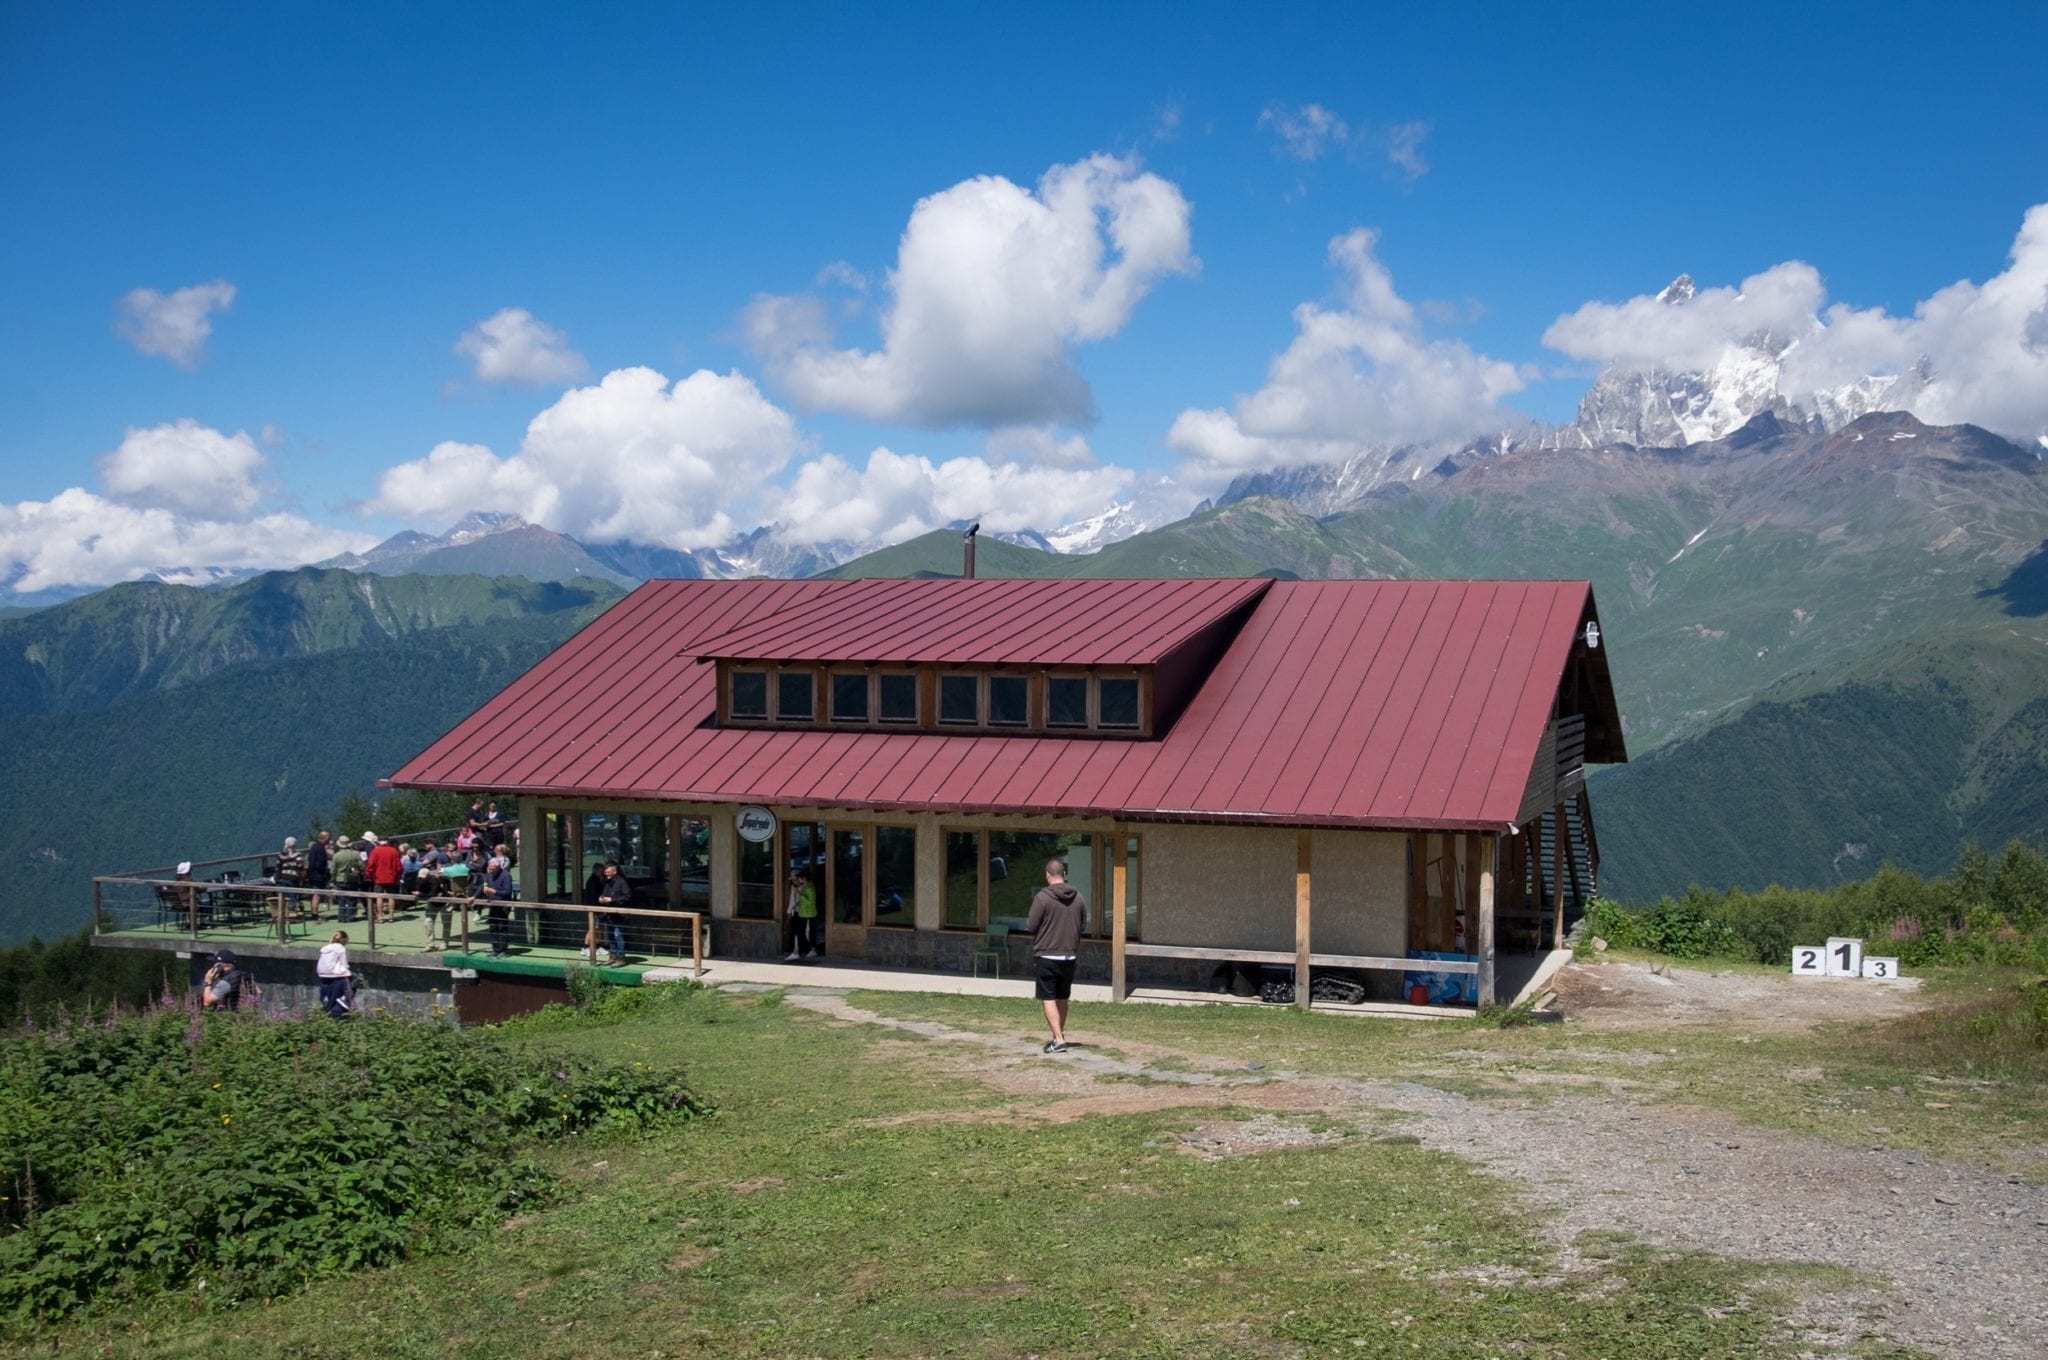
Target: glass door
{"points": [[846, 876]]}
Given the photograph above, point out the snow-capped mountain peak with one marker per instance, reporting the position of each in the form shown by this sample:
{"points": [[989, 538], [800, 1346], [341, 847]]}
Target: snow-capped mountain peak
{"points": [[1680, 289], [1097, 532]]}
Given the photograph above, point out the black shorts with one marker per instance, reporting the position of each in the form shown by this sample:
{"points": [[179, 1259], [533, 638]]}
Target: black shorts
{"points": [[1055, 978]]}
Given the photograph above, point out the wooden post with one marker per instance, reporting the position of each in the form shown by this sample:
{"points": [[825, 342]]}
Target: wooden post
{"points": [[1119, 902], [1557, 877], [697, 944], [1418, 865], [1468, 902], [1302, 841], [1490, 858]]}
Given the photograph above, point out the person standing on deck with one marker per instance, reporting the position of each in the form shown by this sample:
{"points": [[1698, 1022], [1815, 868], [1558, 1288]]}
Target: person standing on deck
{"points": [[384, 869], [615, 891], [497, 891], [1055, 926], [291, 864], [319, 868]]}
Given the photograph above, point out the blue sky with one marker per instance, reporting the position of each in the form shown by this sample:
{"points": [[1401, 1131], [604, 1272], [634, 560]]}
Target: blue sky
{"points": [[1440, 187]]}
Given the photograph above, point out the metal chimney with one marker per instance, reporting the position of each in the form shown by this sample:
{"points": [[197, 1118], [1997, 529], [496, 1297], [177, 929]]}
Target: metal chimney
{"points": [[967, 538]]}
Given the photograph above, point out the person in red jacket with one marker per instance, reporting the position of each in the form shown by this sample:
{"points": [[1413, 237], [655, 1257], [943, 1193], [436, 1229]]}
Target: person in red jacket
{"points": [[384, 871]]}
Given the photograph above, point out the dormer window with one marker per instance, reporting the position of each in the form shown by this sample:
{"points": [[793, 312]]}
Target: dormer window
{"points": [[935, 699], [1009, 701], [795, 697], [750, 694], [1066, 701], [960, 700], [849, 696], [898, 702], [1117, 703]]}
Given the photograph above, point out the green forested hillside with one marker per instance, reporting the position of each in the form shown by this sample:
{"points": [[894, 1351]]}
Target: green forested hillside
{"points": [[145, 636], [1905, 758], [940, 553], [235, 759]]}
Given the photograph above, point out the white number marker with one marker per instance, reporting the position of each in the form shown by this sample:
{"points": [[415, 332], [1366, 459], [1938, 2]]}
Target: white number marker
{"points": [[1884, 970], [1809, 960], [1845, 957]]}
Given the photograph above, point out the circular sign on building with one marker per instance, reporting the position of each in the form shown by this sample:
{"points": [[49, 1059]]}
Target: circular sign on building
{"points": [[756, 824]]}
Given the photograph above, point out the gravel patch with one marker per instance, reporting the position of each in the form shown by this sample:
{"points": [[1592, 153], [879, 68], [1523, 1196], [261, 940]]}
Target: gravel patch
{"points": [[1957, 1256]]}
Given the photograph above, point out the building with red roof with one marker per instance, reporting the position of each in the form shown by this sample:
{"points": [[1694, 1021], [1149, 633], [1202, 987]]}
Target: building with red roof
{"points": [[1320, 776]]}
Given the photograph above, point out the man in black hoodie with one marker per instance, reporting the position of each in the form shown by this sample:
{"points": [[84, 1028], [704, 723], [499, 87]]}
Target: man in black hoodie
{"points": [[1055, 926]]}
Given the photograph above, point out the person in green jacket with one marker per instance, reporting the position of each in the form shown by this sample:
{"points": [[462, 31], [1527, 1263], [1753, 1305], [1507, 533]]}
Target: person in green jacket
{"points": [[806, 936]]}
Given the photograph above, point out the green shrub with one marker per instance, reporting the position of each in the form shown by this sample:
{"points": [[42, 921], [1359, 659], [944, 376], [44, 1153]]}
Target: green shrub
{"points": [[1980, 913], [245, 1157]]}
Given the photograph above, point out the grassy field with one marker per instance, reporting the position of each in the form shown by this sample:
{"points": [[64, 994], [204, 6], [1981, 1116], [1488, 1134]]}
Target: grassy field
{"points": [[861, 1193]]}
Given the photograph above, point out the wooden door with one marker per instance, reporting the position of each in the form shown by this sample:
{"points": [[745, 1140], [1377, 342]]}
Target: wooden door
{"points": [[849, 904]]}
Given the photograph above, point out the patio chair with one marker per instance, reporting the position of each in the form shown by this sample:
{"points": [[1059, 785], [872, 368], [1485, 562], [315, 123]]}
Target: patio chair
{"points": [[991, 951]]}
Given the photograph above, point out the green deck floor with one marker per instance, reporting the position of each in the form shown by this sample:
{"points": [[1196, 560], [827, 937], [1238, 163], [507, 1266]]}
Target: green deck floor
{"points": [[403, 935]]}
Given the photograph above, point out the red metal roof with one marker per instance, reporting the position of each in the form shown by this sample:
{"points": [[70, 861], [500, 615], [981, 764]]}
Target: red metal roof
{"points": [[988, 621], [1344, 703]]}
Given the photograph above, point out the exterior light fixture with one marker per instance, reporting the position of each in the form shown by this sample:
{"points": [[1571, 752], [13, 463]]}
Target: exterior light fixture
{"points": [[1592, 635]]}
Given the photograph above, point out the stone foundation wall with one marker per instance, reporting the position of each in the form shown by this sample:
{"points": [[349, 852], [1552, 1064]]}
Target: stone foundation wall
{"points": [[291, 989]]}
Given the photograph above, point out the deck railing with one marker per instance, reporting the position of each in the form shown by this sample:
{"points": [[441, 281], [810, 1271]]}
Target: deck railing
{"points": [[250, 910]]}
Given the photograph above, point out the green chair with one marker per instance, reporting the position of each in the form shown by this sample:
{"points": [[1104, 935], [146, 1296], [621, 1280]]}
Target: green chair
{"points": [[991, 950]]}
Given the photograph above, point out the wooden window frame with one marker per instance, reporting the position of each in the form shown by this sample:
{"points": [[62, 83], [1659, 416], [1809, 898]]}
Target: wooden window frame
{"points": [[916, 720], [832, 679], [725, 690], [929, 681], [1087, 683], [1102, 845], [940, 721]]}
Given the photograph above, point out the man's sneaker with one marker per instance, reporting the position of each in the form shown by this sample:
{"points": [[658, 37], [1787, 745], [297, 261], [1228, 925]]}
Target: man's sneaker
{"points": [[791, 957], [1059, 1047]]}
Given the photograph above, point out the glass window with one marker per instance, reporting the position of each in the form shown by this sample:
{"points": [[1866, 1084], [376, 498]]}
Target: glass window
{"points": [[600, 846], [757, 879], [1016, 871], [895, 875], [960, 699], [793, 696], [1009, 700], [899, 698], [693, 868], [1066, 701], [1132, 875], [750, 694], [1119, 703], [849, 697], [558, 881], [847, 888], [963, 880]]}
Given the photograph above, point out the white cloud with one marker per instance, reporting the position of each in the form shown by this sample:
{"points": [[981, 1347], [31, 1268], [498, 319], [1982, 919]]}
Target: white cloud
{"points": [[842, 274], [1312, 131], [898, 496], [77, 538], [1648, 332], [1983, 344], [1305, 133], [1357, 375], [1039, 446], [515, 346], [185, 467], [632, 457], [174, 325], [994, 288], [1403, 144]]}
